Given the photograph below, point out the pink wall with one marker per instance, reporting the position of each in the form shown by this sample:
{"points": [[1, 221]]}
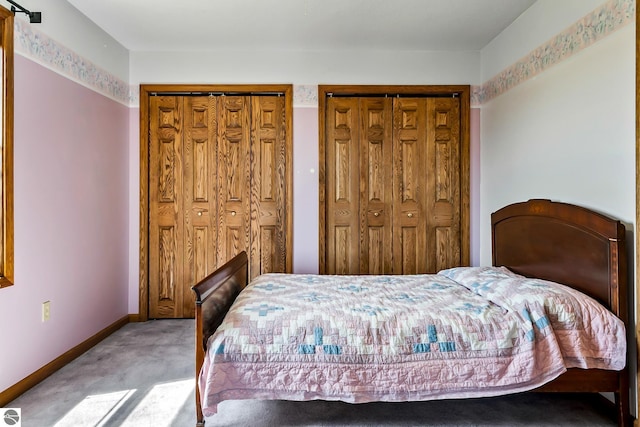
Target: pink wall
{"points": [[134, 210], [474, 172], [305, 190], [71, 219]]}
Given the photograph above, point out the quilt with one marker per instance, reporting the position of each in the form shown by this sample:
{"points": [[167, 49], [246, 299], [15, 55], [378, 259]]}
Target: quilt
{"points": [[464, 332]]}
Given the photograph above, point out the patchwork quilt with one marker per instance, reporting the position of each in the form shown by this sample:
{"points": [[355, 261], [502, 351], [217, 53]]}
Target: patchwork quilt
{"points": [[464, 332]]}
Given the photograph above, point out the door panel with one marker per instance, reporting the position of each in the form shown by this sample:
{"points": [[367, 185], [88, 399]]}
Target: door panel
{"points": [[268, 185], [409, 256], [233, 177], [165, 208], [443, 147], [200, 132], [343, 180], [376, 118], [410, 244]]}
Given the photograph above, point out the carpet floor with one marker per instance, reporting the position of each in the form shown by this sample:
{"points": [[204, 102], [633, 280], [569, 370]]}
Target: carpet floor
{"points": [[143, 375]]}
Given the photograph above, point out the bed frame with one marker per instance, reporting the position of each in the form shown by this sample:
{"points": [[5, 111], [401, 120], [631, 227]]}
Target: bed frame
{"points": [[538, 238]]}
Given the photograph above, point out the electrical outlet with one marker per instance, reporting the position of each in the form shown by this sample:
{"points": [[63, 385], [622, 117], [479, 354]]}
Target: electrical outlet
{"points": [[46, 310]]}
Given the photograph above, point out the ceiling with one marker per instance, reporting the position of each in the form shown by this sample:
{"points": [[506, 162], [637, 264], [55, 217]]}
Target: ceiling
{"points": [[193, 25]]}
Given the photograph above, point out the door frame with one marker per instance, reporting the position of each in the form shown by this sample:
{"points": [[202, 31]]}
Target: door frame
{"points": [[463, 91], [146, 91]]}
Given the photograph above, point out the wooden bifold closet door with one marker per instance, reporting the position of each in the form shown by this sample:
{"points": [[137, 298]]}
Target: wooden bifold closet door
{"points": [[393, 180], [217, 186]]}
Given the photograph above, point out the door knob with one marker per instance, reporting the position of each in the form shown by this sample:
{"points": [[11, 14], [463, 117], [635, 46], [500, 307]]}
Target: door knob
{"points": [[233, 213], [199, 213], [376, 214], [410, 215]]}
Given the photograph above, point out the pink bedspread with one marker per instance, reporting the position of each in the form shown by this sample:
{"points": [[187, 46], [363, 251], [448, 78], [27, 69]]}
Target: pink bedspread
{"points": [[466, 332]]}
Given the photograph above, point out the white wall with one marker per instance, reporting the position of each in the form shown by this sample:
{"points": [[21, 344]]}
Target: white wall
{"points": [[306, 67], [567, 134]]}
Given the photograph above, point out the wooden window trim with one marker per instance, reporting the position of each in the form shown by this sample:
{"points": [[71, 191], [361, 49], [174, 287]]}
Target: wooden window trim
{"points": [[6, 151]]}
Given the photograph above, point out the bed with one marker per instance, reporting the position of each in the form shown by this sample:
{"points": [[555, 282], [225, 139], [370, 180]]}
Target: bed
{"points": [[550, 315]]}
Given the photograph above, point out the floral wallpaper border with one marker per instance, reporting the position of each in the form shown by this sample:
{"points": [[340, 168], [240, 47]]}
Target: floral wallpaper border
{"points": [[595, 26], [134, 95], [42, 49], [603, 21], [305, 95]]}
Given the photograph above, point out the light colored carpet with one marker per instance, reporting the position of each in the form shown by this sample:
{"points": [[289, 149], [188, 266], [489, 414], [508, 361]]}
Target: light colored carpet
{"points": [[143, 375]]}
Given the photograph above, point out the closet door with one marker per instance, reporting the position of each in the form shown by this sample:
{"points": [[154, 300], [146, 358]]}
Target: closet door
{"points": [[359, 194], [401, 156], [426, 206], [410, 146], [217, 186], [182, 236], [199, 176], [443, 203], [268, 186], [166, 227], [215, 181], [376, 196], [343, 186], [234, 177]]}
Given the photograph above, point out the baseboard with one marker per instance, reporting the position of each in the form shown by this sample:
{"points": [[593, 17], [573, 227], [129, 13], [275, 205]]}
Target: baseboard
{"points": [[133, 318], [17, 389]]}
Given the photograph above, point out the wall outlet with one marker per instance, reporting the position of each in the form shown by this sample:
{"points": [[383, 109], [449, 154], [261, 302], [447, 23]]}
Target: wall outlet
{"points": [[46, 310]]}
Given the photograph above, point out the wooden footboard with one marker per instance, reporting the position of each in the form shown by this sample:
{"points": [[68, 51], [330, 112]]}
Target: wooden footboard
{"points": [[214, 296]]}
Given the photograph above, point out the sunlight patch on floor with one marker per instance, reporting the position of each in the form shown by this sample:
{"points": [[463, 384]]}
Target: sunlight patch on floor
{"points": [[95, 410], [161, 404]]}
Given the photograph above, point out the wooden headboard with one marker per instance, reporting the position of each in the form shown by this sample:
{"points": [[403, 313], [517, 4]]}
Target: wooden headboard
{"points": [[564, 243]]}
